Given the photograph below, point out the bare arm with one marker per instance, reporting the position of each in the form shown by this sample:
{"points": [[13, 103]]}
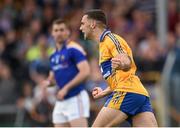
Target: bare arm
{"points": [[49, 80], [99, 93], [121, 62], [51, 77], [84, 71]]}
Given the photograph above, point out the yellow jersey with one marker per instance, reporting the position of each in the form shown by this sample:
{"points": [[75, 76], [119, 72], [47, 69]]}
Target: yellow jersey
{"points": [[110, 46]]}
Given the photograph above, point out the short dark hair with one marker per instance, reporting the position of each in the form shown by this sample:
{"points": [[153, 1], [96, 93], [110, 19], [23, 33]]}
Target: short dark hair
{"points": [[97, 14], [61, 21]]}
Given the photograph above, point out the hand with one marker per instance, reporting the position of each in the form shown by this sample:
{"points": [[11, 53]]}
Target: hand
{"points": [[45, 83], [121, 61], [97, 93], [62, 93], [43, 86]]}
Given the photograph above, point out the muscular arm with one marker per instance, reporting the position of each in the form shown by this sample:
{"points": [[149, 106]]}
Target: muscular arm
{"points": [[84, 71], [99, 93], [51, 77], [122, 61], [106, 91], [49, 80]]}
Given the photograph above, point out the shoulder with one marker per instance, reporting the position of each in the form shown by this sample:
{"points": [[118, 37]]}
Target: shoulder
{"points": [[111, 39], [120, 38], [106, 40], [116, 39], [72, 45]]}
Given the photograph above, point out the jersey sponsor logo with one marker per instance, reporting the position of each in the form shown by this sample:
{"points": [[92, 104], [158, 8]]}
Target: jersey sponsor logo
{"points": [[57, 60], [59, 66]]}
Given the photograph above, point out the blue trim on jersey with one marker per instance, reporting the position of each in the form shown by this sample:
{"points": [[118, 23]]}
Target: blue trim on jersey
{"points": [[106, 68], [64, 65], [106, 31], [116, 42]]}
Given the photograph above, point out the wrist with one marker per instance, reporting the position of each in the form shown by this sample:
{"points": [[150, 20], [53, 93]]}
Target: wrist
{"points": [[104, 93], [48, 82], [66, 87]]}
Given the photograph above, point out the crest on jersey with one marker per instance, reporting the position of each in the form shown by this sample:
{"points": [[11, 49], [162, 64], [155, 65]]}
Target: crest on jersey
{"points": [[62, 57]]}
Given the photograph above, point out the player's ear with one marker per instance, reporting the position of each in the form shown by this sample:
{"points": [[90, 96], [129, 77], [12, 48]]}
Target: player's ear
{"points": [[93, 24]]}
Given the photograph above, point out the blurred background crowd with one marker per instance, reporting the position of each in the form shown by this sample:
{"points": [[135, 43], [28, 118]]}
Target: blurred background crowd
{"points": [[26, 43]]}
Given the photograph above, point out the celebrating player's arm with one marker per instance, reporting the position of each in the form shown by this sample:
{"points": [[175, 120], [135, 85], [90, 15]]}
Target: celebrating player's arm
{"points": [[84, 71], [99, 93], [121, 62]]}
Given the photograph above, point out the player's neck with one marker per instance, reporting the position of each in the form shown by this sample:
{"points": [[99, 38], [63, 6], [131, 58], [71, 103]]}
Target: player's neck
{"points": [[59, 46], [97, 33]]}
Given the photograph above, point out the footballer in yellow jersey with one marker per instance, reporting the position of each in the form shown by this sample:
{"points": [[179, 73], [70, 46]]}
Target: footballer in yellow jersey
{"points": [[110, 46], [128, 99]]}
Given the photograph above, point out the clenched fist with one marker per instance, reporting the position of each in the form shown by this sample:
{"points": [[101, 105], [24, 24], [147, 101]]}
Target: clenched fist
{"points": [[122, 61], [97, 93]]}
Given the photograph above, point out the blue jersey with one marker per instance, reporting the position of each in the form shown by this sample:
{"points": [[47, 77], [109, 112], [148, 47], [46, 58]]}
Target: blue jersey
{"points": [[63, 64]]}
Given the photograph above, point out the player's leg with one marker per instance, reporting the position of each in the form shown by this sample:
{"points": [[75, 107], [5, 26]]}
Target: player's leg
{"points": [[109, 117], [144, 116], [79, 110], [144, 119], [58, 116], [62, 125], [79, 122]]}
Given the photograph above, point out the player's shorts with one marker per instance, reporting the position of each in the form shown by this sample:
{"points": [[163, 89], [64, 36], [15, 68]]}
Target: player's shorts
{"points": [[72, 108], [129, 103]]}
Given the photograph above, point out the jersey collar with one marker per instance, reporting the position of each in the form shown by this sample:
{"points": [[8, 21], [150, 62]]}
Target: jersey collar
{"points": [[106, 31], [64, 43]]}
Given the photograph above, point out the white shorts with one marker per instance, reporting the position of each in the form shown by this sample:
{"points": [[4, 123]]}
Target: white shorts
{"points": [[72, 108]]}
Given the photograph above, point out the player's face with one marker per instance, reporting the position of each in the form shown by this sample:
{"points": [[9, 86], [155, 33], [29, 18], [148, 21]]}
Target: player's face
{"points": [[60, 32], [86, 27]]}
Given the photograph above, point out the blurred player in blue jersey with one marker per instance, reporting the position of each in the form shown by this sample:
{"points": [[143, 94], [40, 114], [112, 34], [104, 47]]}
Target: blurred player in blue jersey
{"points": [[69, 68]]}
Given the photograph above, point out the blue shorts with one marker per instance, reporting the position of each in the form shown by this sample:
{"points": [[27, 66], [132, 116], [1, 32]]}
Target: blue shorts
{"points": [[129, 103]]}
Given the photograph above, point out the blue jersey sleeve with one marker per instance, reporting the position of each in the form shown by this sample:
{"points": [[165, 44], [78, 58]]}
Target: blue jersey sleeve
{"points": [[77, 55], [50, 62]]}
